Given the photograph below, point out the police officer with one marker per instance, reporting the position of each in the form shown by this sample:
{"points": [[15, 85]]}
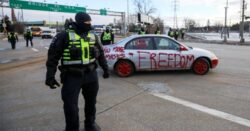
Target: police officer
{"points": [[182, 33], [28, 37], [141, 32], [171, 33], [79, 52], [107, 37], [12, 38], [176, 34], [158, 32]]}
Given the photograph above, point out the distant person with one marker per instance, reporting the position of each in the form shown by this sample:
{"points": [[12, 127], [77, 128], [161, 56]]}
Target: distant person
{"points": [[28, 37], [176, 34], [171, 33], [12, 38], [158, 32], [142, 32], [68, 24], [107, 37], [182, 33]]}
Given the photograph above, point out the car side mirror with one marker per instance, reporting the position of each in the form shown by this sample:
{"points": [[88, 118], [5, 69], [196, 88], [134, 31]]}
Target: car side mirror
{"points": [[183, 48]]}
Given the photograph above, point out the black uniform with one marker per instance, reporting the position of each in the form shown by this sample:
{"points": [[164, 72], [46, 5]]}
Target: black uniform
{"points": [[76, 78], [12, 38], [28, 37]]}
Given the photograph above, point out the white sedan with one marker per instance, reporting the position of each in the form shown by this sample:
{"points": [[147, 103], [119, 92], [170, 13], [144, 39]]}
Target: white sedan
{"points": [[157, 52]]}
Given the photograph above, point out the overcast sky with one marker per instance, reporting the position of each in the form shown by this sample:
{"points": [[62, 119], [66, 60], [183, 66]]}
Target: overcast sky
{"points": [[199, 10]]}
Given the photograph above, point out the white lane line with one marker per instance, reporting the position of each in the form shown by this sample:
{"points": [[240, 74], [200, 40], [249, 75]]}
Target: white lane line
{"points": [[213, 112], [34, 49], [46, 48], [5, 61]]}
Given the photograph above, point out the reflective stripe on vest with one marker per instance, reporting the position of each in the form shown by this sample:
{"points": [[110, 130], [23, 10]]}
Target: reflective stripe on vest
{"points": [[11, 36], [85, 46], [28, 34], [106, 36], [171, 33], [142, 32]]}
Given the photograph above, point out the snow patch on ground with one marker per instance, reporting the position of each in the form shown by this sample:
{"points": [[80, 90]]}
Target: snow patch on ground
{"points": [[217, 36]]}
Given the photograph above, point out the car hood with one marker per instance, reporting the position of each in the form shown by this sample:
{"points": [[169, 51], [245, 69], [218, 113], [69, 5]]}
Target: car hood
{"points": [[203, 52]]}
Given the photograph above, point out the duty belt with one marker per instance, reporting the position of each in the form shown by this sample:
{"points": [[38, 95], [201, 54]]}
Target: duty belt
{"points": [[78, 70]]}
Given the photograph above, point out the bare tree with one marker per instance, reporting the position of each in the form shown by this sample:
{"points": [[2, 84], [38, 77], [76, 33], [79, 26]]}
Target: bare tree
{"points": [[218, 26], [190, 23], [144, 6]]}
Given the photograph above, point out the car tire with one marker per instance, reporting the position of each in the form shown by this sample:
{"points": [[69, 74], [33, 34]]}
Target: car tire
{"points": [[124, 68], [201, 66]]}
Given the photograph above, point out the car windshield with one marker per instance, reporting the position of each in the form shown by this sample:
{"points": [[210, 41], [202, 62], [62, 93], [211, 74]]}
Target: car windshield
{"points": [[35, 29], [46, 31]]}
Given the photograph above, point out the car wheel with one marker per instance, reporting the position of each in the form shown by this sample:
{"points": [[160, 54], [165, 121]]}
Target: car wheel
{"points": [[124, 68], [201, 66]]}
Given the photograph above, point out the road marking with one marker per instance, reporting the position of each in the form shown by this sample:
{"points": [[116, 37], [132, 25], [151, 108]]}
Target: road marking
{"points": [[210, 111], [46, 48], [2, 49], [5, 61], [34, 49]]}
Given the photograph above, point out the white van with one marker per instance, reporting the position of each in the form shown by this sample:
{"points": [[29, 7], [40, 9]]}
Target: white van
{"points": [[48, 33]]}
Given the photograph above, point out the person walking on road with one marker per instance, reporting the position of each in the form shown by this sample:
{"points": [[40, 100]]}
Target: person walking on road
{"points": [[28, 37], [79, 52], [107, 37], [12, 38]]}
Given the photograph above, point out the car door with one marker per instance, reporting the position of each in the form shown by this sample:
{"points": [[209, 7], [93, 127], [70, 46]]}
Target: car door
{"points": [[168, 53], [139, 51]]}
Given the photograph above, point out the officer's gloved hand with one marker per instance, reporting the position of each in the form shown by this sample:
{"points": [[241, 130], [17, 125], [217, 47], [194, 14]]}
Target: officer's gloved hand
{"points": [[105, 75], [52, 83]]}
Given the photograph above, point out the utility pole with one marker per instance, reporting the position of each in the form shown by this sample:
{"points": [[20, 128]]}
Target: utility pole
{"points": [[242, 40], [225, 28], [128, 15], [175, 4]]}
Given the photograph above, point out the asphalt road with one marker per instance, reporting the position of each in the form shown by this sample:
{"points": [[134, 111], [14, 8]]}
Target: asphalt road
{"points": [[146, 101]]}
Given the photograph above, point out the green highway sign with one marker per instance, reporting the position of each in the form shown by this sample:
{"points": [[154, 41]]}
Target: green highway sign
{"points": [[103, 12], [20, 4]]}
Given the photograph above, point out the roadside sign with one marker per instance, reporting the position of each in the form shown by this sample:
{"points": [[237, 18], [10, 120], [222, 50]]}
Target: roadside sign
{"points": [[103, 12], [19, 4], [143, 18]]}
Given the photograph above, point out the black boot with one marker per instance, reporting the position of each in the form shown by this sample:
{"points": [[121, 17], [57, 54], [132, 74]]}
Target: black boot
{"points": [[93, 127]]}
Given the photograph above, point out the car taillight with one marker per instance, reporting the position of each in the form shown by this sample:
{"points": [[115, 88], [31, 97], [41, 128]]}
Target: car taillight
{"points": [[215, 63]]}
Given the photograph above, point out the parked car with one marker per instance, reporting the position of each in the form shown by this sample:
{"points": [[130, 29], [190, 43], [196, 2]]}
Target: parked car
{"points": [[48, 33], [157, 52]]}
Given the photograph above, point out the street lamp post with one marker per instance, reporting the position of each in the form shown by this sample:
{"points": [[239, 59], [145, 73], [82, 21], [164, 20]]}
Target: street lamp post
{"points": [[242, 40], [128, 15], [225, 28]]}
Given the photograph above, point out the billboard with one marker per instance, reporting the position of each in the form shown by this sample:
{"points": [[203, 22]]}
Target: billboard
{"points": [[143, 18]]}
